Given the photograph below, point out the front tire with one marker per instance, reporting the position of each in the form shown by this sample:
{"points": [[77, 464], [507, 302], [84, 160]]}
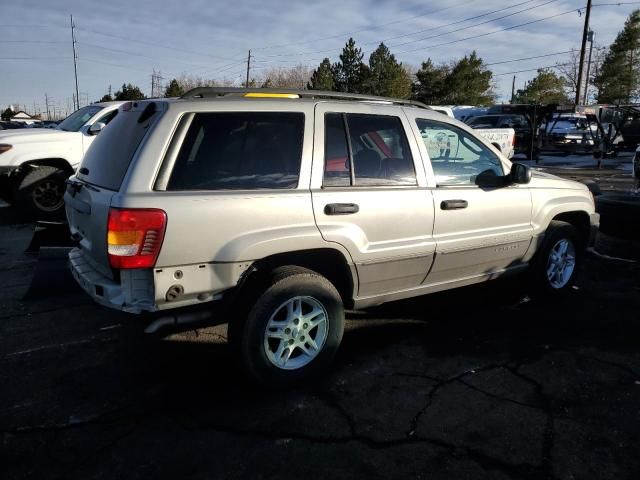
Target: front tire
{"points": [[292, 330], [40, 191], [555, 267]]}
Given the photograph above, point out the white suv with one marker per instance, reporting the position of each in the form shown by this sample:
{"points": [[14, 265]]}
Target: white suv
{"points": [[34, 163], [288, 206]]}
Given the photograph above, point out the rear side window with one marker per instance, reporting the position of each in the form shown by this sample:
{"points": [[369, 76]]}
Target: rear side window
{"points": [[240, 151], [110, 154], [366, 150]]}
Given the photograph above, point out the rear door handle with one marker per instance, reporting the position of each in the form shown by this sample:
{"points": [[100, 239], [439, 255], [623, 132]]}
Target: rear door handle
{"points": [[453, 204], [341, 208]]}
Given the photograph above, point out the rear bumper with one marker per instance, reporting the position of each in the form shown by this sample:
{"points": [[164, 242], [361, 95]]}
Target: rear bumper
{"points": [[133, 294]]}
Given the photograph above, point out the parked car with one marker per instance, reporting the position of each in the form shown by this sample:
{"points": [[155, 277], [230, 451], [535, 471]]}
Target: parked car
{"points": [[571, 133], [10, 125], [522, 142], [501, 137], [34, 163], [286, 207]]}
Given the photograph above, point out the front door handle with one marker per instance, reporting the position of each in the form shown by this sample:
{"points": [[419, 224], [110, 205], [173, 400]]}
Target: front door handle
{"points": [[453, 204], [341, 208]]}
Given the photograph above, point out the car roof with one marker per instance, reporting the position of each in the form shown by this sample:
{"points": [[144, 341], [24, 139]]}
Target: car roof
{"points": [[200, 94]]}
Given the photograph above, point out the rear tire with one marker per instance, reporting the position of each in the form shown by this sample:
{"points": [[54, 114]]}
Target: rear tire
{"points": [[39, 193], [555, 267], [292, 329]]}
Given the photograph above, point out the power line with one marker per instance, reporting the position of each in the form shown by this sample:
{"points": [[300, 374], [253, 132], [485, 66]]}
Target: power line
{"points": [[153, 44], [528, 58], [531, 22], [474, 25], [453, 23], [534, 69], [445, 33], [32, 41], [374, 27], [35, 58]]}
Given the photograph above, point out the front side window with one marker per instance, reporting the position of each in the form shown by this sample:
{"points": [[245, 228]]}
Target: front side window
{"points": [[240, 150], [77, 119], [365, 150], [107, 117], [457, 157]]}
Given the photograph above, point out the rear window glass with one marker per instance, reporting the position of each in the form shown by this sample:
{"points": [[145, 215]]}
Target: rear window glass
{"points": [[110, 154], [240, 150]]}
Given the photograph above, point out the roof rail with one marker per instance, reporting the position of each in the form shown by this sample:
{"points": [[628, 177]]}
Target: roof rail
{"points": [[215, 92]]}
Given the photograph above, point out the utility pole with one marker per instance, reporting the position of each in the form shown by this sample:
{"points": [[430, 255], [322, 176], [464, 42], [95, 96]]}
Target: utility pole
{"points": [[513, 90], [248, 67], [75, 58], [46, 102], [585, 33], [591, 35]]}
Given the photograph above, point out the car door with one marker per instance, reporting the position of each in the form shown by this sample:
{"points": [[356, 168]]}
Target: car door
{"points": [[482, 223], [369, 194]]}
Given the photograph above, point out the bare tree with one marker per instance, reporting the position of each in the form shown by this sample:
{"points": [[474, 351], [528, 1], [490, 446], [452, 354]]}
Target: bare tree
{"points": [[569, 70], [187, 82], [283, 77]]}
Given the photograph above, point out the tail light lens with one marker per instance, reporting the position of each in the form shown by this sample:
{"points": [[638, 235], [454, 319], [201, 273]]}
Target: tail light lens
{"points": [[513, 141], [134, 237]]}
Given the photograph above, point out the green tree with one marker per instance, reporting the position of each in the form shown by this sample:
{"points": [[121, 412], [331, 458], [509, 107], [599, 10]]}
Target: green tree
{"points": [[322, 77], [386, 76], [106, 98], [618, 79], [174, 89], [430, 87], [465, 82], [7, 114], [545, 87], [129, 92], [350, 73], [469, 82]]}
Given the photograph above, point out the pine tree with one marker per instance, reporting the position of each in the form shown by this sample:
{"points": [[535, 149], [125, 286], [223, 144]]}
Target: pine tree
{"points": [[545, 87], [386, 75], [430, 87], [129, 92], [350, 73], [469, 82], [322, 77], [618, 79], [174, 89]]}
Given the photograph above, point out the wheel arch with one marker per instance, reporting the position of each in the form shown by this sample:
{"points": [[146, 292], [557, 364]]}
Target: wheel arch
{"points": [[328, 262], [579, 219], [56, 162]]}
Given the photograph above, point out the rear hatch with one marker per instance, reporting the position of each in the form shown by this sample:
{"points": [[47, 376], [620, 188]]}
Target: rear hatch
{"points": [[100, 176]]}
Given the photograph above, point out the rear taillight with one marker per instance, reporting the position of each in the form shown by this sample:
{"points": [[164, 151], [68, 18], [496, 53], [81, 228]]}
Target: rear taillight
{"points": [[134, 236], [513, 141]]}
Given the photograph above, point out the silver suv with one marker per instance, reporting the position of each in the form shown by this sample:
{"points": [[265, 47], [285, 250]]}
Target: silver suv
{"points": [[288, 207]]}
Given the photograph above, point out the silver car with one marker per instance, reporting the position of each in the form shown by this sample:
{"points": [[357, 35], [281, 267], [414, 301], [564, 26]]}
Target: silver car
{"points": [[287, 207]]}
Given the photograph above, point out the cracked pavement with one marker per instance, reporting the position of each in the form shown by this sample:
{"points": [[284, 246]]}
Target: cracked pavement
{"points": [[473, 383]]}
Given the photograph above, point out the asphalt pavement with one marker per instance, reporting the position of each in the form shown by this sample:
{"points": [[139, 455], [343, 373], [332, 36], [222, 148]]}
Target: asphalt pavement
{"points": [[476, 383]]}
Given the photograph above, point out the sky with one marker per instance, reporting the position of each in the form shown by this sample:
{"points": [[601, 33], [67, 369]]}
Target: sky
{"points": [[125, 40]]}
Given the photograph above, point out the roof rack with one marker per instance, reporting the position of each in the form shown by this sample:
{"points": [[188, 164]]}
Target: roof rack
{"points": [[215, 92]]}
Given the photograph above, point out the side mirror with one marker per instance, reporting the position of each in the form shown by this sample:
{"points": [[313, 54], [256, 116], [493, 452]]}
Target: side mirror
{"points": [[96, 128], [520, 173]]}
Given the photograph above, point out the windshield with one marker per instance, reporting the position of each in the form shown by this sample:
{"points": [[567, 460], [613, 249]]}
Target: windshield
{"points": [[571, 122], [489, 121], [77, 119]]}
